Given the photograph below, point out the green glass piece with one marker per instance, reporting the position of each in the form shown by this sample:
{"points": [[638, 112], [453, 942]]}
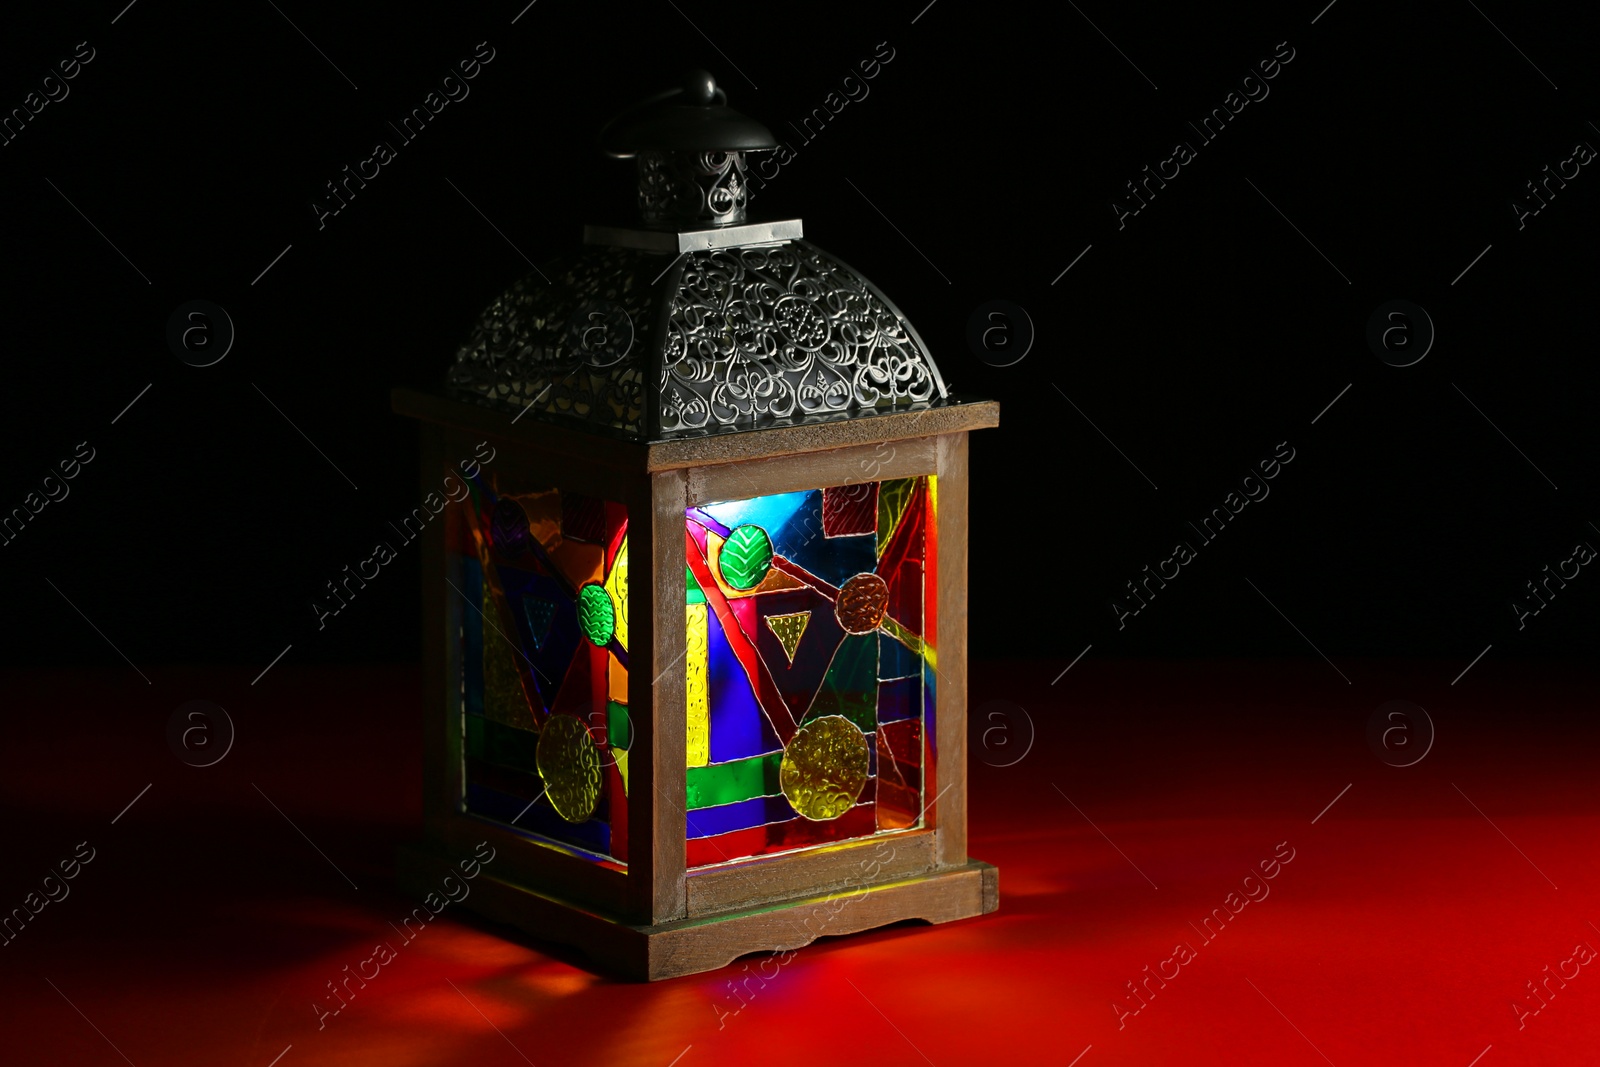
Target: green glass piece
{"points": [[746, 557], [596, 616], [619, 728], [850, 687], [696, 594], [726, 783]]}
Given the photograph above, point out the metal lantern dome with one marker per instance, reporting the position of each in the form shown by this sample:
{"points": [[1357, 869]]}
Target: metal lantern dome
{"points": [[747, 326]]}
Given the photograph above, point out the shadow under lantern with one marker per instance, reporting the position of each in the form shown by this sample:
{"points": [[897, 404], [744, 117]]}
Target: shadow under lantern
{"points": [[695, 626]]}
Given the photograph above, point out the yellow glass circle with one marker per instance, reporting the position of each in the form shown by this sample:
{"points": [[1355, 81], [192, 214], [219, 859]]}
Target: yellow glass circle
{"points": [[569, 763], [824, 768]]}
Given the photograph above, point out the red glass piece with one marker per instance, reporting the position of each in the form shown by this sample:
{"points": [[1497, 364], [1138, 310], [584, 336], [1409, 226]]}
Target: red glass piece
{"points": [[850, 509]]}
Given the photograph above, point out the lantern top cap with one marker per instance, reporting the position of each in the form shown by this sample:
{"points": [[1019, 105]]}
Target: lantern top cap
{"points": [[693, 117]]}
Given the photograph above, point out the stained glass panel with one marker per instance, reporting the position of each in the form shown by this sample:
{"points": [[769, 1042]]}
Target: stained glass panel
{"points": [[810, 670], [540, 602]]}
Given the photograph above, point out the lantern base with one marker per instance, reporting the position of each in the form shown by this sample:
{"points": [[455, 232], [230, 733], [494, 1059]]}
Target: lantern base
{"points": [[690, 946]]}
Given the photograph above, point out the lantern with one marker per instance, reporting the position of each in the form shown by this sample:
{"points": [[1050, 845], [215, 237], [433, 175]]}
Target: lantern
{"points": [[695, 608]]}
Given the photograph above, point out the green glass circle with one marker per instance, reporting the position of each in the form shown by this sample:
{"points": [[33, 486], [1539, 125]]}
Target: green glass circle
{"points": [[596, 617], [746, 557]]}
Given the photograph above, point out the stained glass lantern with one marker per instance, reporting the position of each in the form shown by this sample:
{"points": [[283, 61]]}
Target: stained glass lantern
{"points": [[695, 608]]}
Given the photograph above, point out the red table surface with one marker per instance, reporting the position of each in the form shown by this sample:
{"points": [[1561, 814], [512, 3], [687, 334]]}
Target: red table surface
{"points": [[1413, 913]]}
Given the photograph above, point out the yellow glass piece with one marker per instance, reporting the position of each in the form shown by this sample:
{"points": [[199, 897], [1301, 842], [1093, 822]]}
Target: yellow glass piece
{"points": [[569, 763], [892, 500], [617, 586], [697, 740], [824, 768], [906, 637], [788, 629], [622, 767], [503, 698], [774, 581]]}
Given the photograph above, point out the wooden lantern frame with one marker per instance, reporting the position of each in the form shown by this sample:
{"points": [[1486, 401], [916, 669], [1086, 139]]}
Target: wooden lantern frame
{"points": [[657, 919]]}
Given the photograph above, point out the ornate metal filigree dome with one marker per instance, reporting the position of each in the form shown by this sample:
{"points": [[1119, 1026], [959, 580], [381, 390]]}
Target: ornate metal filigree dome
{"points": [[702, 322]]}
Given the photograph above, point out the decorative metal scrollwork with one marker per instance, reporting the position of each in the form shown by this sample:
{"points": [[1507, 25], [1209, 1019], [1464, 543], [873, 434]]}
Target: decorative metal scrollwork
{"points": [[753, 333], [693, 188], [569, 347], [776, 332]]}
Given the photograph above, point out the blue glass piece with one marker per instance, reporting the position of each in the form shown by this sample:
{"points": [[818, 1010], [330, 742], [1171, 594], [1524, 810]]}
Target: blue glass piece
{"points": [[833, 559], [594, 835], [739, 728], [896, 660], [552, 654], [707, 822], [768, 512], [899, 699]]}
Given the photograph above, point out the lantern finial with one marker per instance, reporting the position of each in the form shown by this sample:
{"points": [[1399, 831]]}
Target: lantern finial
{"points": [[690, 150]]}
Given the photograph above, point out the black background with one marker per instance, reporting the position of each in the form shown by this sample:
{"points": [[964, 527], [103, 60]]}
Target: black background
{"points": [[1196, 338]]}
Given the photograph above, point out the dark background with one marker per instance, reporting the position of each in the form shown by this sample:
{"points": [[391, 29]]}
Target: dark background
{"points": [[1196, 338]]}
